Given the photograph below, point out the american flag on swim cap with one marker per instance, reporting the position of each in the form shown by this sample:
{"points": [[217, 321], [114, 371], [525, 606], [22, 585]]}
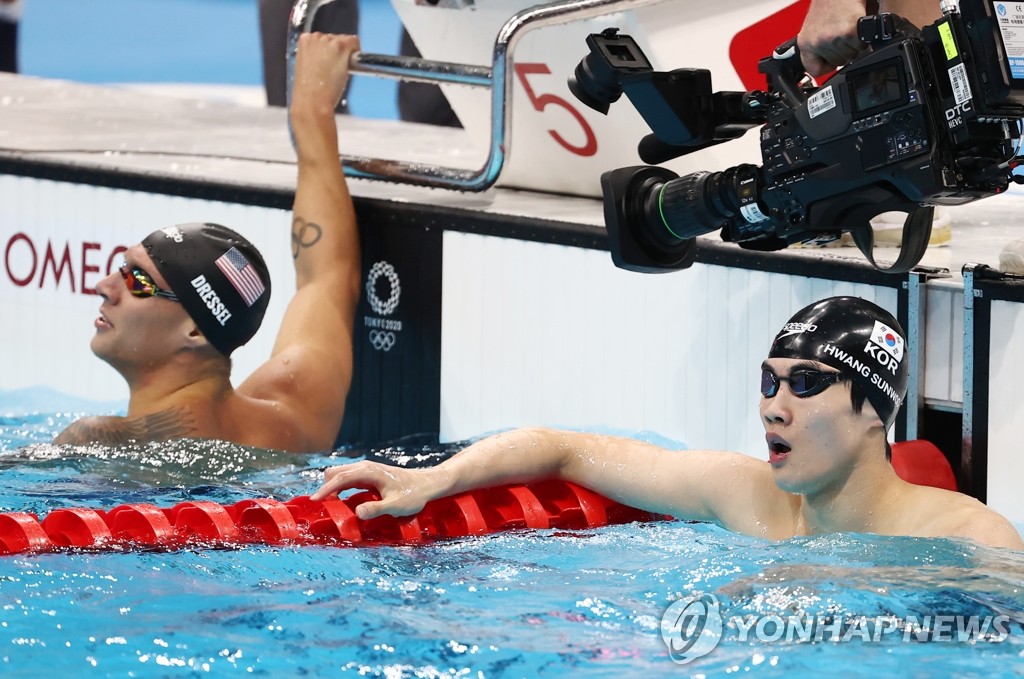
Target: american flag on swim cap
{"points": [[241, 274]]}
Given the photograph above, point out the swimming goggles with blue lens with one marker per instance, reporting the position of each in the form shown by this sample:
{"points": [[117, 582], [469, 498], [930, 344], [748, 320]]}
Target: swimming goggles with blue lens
{"points": [[140, 284], [802, 383]]}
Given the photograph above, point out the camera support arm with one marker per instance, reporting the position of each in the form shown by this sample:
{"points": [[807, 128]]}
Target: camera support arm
{"points": [[854, 210], [917, 230]]}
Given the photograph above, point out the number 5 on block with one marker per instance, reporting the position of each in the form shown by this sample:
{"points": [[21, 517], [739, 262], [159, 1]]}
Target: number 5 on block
{"points": [[543, 101]]}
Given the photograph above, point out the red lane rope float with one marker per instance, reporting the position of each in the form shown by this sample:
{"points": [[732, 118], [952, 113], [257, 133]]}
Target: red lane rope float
{"points": [[548, 504]]}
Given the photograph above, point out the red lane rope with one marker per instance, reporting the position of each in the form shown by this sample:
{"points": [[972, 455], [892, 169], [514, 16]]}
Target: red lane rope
{"points": [[301, 521]]}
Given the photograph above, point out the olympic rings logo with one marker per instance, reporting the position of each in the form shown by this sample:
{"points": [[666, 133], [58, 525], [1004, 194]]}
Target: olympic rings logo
{"points": [[382, 340], [386, 307]]}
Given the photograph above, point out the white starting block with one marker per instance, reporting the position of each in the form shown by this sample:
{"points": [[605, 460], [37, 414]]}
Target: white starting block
{"points": [[557, 143]]}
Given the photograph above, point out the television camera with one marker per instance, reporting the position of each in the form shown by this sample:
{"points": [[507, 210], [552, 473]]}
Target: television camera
{"points": [[924, 118]]}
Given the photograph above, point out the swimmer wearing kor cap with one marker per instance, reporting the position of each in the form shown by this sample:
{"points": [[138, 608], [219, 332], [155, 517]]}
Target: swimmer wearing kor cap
{"points": [[189, 295], [831, 386]]}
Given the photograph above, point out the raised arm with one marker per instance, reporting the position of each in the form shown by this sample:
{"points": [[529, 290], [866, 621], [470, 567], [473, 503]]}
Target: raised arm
{"points": [[310, 368], [697, 485]]}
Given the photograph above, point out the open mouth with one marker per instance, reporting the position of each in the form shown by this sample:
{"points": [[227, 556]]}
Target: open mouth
{"points": [[778, 449]]}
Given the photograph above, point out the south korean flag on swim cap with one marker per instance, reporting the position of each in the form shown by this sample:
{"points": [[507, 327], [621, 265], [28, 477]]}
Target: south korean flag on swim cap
{"points": [[889, 340]]}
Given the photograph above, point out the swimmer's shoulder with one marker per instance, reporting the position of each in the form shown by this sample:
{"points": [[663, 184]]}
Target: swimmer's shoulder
{"points": [[265, 423], [946, 513], [751, 502], [247, 421], [113, 430]]}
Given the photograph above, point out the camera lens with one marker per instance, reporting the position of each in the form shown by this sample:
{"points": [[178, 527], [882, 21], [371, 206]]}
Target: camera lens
{"points": [[700, 203]]}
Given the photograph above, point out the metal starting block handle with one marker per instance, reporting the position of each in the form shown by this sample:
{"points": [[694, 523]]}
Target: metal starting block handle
{"points": [[496, 77]]}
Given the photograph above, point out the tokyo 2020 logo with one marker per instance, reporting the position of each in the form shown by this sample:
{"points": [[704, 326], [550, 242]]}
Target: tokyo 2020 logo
{"points": [[379, 306]]}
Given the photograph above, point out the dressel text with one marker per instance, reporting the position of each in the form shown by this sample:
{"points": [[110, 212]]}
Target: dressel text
{"points": [[213, 303]]}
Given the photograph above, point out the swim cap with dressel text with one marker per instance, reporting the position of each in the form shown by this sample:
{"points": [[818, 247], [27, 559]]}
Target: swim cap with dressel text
{"points": [[219, 276]]}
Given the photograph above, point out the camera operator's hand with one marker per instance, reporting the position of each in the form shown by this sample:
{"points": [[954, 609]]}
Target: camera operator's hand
{"points": [[918, 12], [828, 39]]}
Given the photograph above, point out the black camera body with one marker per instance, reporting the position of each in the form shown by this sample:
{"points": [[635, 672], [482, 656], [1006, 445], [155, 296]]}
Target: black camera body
{"points": [[923, 119]]}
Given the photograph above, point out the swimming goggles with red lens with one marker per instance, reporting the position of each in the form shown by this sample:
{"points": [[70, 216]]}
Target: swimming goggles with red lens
{"points": [[140, 284], [802, 383]]}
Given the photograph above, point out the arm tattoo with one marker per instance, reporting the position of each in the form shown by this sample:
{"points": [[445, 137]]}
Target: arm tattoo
{"points": [[113, 431], [304, 235]]}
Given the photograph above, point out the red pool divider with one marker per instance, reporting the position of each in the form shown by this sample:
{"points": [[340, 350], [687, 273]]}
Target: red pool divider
{"points": [[77, 528], [22, 532], [548, 504]]}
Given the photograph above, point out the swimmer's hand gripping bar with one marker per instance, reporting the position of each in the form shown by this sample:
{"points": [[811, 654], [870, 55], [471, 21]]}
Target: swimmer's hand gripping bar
{"points": [[496, 77]]}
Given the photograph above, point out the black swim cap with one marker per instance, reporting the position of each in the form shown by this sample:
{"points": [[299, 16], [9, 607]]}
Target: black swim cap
{"points": [[220, 277], [856, 337]]}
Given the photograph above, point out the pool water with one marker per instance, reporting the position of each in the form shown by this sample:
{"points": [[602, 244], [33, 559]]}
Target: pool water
{"points": [[523, 604]]}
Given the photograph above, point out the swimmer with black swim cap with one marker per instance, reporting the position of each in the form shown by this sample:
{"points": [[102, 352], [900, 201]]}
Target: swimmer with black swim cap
{"points": [[189, 295], [833, 382], [812, 426], [862, 341], [219, 277]]}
